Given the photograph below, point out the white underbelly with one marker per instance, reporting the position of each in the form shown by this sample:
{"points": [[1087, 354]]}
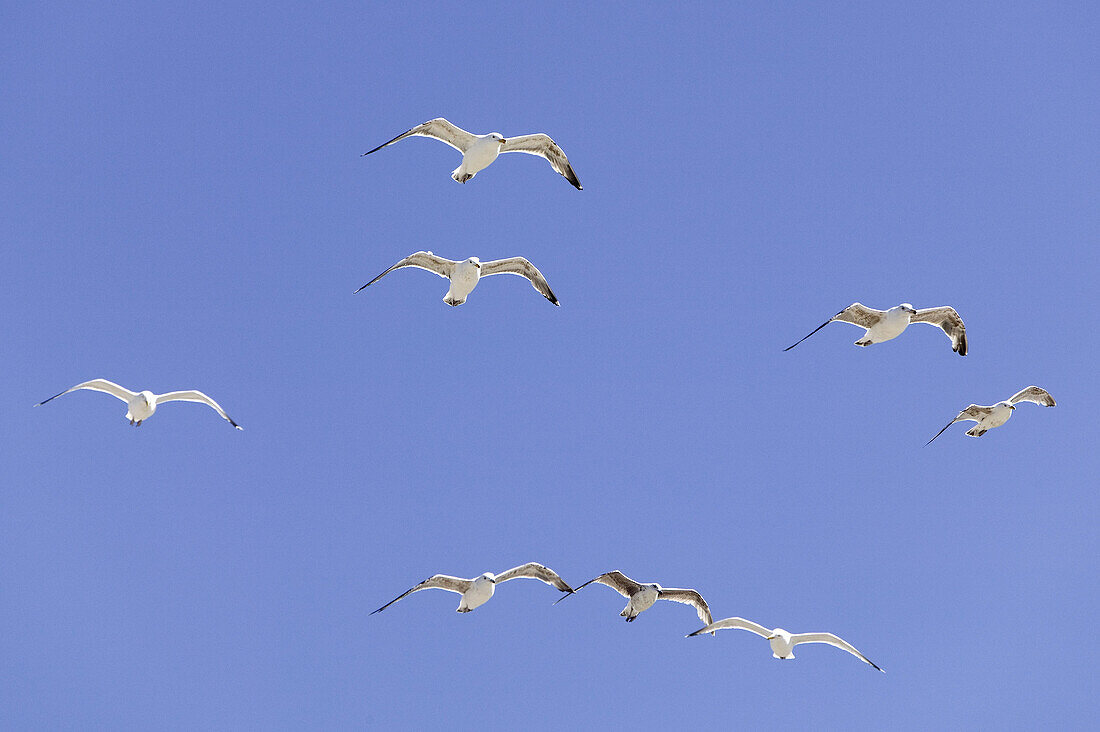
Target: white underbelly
{"points": [[480, 155]]}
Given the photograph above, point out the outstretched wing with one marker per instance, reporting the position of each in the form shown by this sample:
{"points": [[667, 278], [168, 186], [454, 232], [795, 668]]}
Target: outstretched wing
{"points": [[423, 260], [196, 396], [1033, 394], [439, 129], [949, 321], [544, 147], [435, 582], [856, 314], [614, 579], [973, 413], [534, 570], [107, 387], [688, 597], [523, 268], [832, 640], [736, 623]]}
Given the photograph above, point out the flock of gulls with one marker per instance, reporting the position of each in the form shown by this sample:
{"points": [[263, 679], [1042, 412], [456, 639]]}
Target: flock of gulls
{"points": [[480, 151]]}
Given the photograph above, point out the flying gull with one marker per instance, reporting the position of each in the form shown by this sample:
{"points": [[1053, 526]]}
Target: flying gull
{"points": [[781, 641], [477, 591], [464, 275], [884, 325], [642, 596], [996, 415], [478, 151], [142, 404]]}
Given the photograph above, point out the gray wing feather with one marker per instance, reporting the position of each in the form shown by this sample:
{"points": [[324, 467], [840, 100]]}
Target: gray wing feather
{"points": [[107, 387], [736, 623], [541, 145], [423, 260], [947, 319], [832, 640], [523, 268], [439, 129], [196, 396], [859, 314]]}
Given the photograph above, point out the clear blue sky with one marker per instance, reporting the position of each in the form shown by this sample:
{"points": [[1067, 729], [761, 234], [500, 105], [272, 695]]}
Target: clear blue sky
{"points": [[184, 206]]}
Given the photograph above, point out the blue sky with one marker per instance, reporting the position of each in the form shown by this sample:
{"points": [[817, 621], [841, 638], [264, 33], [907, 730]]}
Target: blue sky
{"points": [[184, 206]]}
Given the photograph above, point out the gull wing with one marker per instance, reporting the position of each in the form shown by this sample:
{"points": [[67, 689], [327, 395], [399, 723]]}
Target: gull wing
{"points": [[523, 268], [856, 314], [736, 623], [973, 413], [1033, 394], [688, 597], [614, 579], [435, 582], [534, 570], [439, 129], [541, 145], [423, 260], [947, 319], [196, 396], [831, 640], [107, 387]]}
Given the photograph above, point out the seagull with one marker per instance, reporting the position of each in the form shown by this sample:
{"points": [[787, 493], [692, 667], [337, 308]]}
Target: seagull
{"points": [[781, 641], [477, 591], [142, 404], [478, 151], [884, 325], [465, 274], [642, 596], [996, 415]]}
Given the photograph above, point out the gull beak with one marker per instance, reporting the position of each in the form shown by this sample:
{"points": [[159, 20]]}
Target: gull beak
{"points": [[772, 637], [503, 141], [1012, 407]]}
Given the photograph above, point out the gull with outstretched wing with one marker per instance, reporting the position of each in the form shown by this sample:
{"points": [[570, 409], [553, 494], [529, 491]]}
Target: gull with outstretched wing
{"points": [[994, 416], [477, 591], [465, 275], [781, 641], [478, 151], [141, 404], [885, 325], [642, 596]]}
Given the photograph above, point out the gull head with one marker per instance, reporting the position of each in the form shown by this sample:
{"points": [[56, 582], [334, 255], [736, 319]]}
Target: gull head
{"points": [[1006, 404], [497, 136], [488, 576], [908, 308], [474, 261]]}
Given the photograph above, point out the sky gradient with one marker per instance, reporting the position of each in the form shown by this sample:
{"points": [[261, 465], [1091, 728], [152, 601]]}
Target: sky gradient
{"points": [[184, 206]]}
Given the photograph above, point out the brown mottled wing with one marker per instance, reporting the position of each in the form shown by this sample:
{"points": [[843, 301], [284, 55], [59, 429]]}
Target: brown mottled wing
{"points": [[438, 582], [523, 268], [1033, 394], [534, 570], [861, 315], [973, 413], [439, 129], [855, 314], [544, 147], [946, 318], [617, 581], [423, 260], [688, 597]]}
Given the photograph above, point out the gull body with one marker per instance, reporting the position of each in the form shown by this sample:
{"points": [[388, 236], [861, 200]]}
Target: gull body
{"points": [[996, 415], [641, 596], [479, 590], [140, 405], [781, 641], [479, 151], [885, 325], [465, 275]]}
